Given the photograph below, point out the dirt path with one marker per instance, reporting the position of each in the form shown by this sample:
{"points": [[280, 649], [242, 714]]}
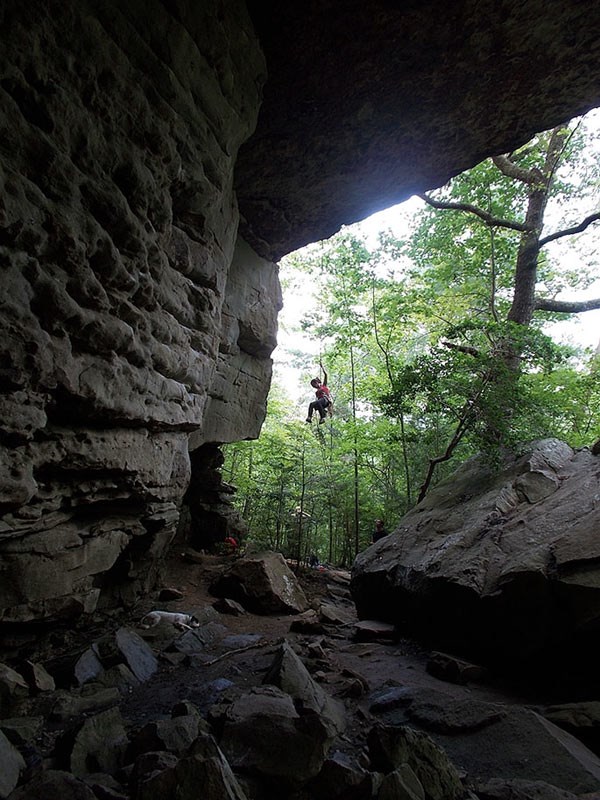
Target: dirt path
{"points": [[379, 682], [244, 647]]}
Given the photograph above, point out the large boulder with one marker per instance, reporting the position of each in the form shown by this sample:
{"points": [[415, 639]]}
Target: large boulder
{"points": [[98, 744], [502, 566], [123, 647], [263, 584], [289, 674], [263, 733]]}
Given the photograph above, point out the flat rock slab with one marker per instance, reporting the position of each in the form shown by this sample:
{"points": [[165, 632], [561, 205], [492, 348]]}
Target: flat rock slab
{"points": [[240, 640], [510, 742], [170, 593], [75, 704], [137, 654], [225, 605], [54, 785], [454, 670], [11, 766], [22, 730], [332, 614], [499, 789], [209, 694], [370, 630], [199, 639]]}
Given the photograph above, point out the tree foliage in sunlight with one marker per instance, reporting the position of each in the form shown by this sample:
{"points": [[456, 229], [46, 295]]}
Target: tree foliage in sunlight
{"points": [[435, 349], [480, 264]]}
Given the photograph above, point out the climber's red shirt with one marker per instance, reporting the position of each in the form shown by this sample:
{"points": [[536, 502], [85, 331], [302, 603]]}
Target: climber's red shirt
{"points": [[323, 391]]}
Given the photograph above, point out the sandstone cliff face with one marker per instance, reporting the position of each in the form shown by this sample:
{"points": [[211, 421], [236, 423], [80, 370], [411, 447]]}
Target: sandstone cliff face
{"points": [[123, 327]]}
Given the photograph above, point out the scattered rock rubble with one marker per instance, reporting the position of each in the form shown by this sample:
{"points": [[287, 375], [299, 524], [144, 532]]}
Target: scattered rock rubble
{"points": [[303, 705]]}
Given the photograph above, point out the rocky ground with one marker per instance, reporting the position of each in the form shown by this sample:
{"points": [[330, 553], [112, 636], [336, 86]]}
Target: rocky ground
{"points": [[303, 705]]}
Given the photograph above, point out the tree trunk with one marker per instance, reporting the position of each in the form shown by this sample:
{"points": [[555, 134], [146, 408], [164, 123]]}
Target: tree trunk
{"points": [[523, 305], [356, 472]]}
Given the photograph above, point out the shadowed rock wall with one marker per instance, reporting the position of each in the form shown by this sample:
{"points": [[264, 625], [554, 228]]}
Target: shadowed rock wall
{"points": [[368, 103], [120, 125]]}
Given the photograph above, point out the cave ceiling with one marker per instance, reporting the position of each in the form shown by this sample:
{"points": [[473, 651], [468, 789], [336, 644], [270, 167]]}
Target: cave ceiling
{"points": [[367, 103]]}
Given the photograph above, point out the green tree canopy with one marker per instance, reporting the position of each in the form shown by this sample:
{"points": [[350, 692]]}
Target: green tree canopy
{"points": [[435, 349]]}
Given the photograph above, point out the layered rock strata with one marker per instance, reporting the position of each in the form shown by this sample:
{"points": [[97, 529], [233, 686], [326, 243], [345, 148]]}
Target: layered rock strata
{"points": [[124, 324]]}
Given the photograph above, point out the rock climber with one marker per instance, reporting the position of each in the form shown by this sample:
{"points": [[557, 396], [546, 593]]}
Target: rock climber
{"points": [[323, 398]]}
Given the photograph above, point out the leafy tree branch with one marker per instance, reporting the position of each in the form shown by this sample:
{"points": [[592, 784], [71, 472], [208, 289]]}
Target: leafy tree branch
{"points": [[585, 223], [489, 219]]}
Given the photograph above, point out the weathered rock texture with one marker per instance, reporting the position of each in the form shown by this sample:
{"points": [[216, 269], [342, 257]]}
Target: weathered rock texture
{"points": [[263, 583], [129, 317], [488, 741], [135, 323], [211, 515], [503, 566]]}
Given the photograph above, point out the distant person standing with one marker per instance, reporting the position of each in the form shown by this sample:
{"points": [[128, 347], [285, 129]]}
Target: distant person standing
{"points": [[231, 545], [379, 531]]}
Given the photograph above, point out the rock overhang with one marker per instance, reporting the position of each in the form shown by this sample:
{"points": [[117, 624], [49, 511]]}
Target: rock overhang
{"points": [[368, 103]]}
